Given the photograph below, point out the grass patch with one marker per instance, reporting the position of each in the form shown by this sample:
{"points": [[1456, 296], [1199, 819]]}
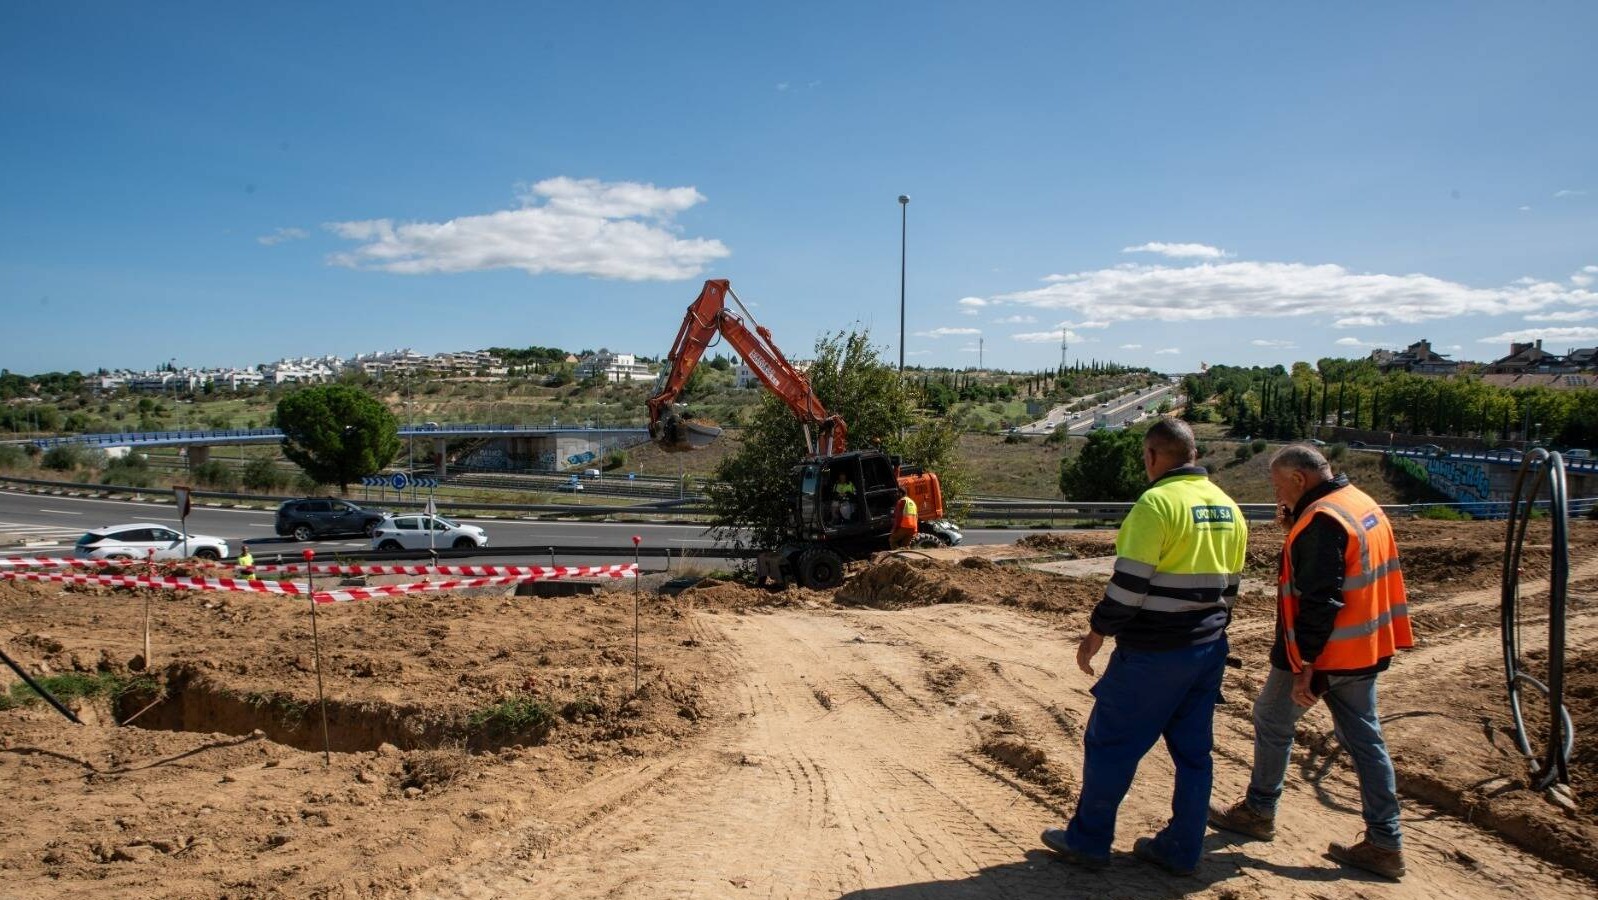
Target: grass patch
{"points": [[76, 685], [1443, 514], [517, 714]]}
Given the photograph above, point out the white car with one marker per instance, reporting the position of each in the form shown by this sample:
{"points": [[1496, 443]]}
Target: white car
{"points": [[134, 542], [415, 533]]}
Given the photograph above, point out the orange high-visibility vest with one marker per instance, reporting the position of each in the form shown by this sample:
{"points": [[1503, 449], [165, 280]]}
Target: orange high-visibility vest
{"points": [[1374, 620], [905, 518]]}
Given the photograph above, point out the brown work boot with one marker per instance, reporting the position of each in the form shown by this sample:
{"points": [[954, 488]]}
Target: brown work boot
{"points": [[1242, 819], [1366, 855]]}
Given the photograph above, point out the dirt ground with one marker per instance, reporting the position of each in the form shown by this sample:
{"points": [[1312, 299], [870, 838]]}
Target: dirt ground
{"points": [[906, 736]]}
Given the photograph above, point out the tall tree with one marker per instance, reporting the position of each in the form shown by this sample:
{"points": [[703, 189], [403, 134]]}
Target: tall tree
{"points": [[750, 499], [337, 433], [1109, 468]]}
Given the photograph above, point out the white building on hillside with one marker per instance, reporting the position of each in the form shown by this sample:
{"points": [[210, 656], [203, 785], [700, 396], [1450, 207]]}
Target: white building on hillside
{"points": [[613, 367]]}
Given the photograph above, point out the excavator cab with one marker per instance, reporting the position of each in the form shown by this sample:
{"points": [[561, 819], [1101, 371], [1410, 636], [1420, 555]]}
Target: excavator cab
{"points": [[847, 499]]}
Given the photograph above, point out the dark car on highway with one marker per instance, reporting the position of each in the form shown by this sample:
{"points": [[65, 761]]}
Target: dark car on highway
{"points": [[314, 517]]}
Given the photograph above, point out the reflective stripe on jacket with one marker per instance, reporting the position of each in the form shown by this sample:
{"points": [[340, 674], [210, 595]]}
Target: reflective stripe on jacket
{"points": [[1179, 561], [1374, 620]]}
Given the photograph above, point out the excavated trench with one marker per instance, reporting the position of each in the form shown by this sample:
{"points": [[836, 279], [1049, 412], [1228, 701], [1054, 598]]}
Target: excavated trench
{"points": [[194, 701]]}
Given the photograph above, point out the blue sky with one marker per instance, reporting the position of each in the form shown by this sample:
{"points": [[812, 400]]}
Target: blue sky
{"points": [[1169, 183]]}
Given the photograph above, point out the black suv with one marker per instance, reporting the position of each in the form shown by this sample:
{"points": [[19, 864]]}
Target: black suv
{"points": [[312, 517]]}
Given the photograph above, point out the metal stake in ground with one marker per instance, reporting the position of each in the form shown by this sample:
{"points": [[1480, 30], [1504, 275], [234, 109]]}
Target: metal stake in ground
{"points": [[149, 570], [636, 540], [316, 649]]}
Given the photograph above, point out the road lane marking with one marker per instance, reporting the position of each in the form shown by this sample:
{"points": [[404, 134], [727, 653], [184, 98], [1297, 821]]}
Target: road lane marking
{"points": [[63, 512]]}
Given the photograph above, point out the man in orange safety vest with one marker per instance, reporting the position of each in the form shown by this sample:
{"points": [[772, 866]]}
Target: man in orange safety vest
{"points": [[1341, 614]]}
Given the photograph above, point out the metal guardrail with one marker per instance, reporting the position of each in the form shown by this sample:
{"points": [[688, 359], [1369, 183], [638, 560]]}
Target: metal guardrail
{"points": [[981, 510]]}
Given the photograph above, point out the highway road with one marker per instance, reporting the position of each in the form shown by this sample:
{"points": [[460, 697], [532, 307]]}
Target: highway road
{"points": [[1121, 410], [34, 524]]}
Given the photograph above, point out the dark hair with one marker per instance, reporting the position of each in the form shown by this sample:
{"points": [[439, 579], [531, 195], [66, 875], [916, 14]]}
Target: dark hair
{"points": [[1171, 436]]}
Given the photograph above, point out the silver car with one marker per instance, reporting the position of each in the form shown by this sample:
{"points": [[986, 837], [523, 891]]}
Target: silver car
{"points": [[418, 532], [137, 541]]}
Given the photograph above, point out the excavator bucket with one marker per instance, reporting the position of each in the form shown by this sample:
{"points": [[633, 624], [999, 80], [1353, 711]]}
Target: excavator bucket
{"points": [[675, 434]]}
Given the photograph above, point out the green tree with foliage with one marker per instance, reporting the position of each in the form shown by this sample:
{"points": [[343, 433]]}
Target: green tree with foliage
{"points": [[1109, 468], [751, 497], [336, 433]]}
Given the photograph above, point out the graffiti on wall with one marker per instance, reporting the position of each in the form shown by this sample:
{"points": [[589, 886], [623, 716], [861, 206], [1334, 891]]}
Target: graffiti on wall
{"points": [[1459, 479]]}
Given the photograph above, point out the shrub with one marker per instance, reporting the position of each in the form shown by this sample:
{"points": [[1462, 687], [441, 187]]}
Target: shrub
{"points": [[1336, 451], [260, 474], [13, 457], [62, 458], [216, 474], [1243, 453], [132, 470], [1259, 445]]}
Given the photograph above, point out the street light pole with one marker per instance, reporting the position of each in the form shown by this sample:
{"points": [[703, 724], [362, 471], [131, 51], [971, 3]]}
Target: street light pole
{"points": [[904, 206]]}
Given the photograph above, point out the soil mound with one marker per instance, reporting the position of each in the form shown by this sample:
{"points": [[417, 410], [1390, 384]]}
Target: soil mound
{"points": [[901, 582]]}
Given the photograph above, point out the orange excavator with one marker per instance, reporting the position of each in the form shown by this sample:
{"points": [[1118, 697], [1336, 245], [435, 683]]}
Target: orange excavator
{"points": [[843, 500]]}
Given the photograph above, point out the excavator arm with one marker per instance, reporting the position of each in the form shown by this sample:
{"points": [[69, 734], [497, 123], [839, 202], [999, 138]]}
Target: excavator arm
{"points": [[708, 316]]}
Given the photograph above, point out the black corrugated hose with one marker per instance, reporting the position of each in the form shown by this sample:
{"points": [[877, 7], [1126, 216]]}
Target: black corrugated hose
{"points": [[1553, 765]]}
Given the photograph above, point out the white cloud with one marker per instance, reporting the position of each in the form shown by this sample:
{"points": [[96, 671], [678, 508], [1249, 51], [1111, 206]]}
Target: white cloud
{"points": [[1358, 322], [1525, 209], [917, 352], [1051, 337], [1280, 345], [947, 332], [621, 230], [1168, 351], [1131, 346], [1180, 251], [1572, 335], [1238, 290], [1354, 342], [1575, 315], [1585, 277], [281, 235], [974, 302], [1569, 193], [782, 85], [1016, 320]]}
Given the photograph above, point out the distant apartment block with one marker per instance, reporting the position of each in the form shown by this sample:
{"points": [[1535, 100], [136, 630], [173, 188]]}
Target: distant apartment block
{"points": [[407, 362], [613, 367]]}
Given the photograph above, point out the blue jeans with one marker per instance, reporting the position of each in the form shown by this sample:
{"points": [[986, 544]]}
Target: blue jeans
{"points": [[1143, 695], [1352, 701]]}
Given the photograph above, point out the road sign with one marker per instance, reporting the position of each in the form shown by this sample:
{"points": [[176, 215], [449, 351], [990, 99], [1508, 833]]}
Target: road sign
{"points": [[425, 482], [398, 481], [632, 476], [374, 480]]}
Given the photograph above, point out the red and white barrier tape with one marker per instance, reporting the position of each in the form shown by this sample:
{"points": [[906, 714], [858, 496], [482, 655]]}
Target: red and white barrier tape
{"points": [[163, 582], [618, 570], [195, 583]]}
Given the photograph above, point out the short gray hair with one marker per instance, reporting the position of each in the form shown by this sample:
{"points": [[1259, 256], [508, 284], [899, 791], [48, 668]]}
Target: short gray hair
{"points": [[1303, 457]]}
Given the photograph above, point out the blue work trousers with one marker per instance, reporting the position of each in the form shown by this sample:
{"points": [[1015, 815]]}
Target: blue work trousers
{"points": [[1352, 701], [1145, 695]]}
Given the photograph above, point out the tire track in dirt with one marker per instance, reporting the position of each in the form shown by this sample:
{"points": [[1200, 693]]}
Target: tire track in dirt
{"points": [[885, 796]]}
